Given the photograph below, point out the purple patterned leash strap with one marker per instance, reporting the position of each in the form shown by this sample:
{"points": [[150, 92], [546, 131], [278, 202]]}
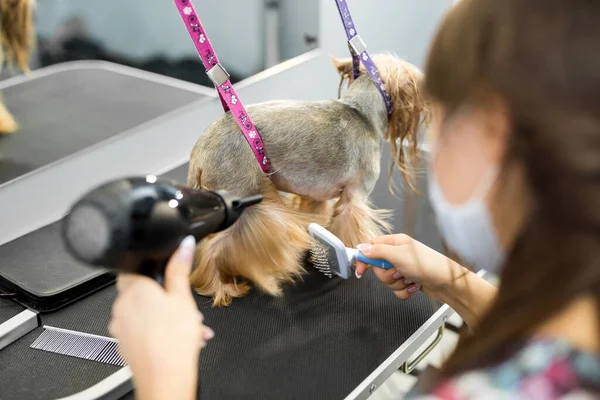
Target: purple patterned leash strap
{"points": [[219, 76], [358, 49]]}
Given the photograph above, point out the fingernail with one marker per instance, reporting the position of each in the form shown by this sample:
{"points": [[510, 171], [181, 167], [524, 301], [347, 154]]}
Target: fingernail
{"points": [[397, 275], [208, 333], [358, 276], [407, 282], [365, 248], [414, 289], [186, 249]]}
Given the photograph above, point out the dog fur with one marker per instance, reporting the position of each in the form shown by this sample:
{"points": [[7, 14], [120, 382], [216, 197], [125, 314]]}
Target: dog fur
{"points": [[16, 44], [321, 152]]}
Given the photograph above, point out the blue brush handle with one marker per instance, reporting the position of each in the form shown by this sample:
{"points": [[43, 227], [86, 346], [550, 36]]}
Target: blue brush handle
{"points": [[376, 263]]}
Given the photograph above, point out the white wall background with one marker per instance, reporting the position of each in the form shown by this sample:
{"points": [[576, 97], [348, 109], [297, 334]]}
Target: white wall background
{"points": [[404, 27], [297, 18], [142, 28]]}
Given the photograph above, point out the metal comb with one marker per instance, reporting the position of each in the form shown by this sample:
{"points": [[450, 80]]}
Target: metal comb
{"points": [[80, 345]]}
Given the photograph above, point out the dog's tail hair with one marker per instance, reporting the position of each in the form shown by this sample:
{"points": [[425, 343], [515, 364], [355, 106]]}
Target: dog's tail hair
{"points": [[266, 246]]}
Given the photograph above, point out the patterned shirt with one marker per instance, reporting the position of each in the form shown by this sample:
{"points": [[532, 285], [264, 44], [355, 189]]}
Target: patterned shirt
{"points": [[538, 370]]}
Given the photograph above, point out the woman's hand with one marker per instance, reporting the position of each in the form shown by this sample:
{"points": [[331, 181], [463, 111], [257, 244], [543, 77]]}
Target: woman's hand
{"points": [[420, 267], [416, 266], [160, 329]]}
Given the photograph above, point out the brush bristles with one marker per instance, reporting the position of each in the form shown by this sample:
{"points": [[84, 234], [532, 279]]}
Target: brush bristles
{"points": [[319, 260]]}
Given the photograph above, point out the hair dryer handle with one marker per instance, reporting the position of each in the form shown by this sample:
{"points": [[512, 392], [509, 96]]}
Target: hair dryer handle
{"points": [[155, 270]]}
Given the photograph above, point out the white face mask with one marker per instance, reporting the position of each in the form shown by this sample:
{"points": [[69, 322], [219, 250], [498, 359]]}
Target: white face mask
{"points": [[467, 228]]}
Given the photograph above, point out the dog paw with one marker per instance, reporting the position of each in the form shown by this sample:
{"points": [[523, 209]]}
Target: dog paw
{"points": [[7, 122]]}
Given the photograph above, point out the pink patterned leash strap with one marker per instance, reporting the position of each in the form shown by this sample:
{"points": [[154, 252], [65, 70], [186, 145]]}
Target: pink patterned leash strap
{"points": [[217, 73], [359, 52]]}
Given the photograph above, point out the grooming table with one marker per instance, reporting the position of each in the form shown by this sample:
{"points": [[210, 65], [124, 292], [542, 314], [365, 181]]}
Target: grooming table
{"points": [[67, 108], [320, 340], [324, 339], [328, 339]]}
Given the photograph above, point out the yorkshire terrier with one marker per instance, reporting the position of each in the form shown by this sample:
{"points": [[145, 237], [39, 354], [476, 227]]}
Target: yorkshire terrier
{"points": [[16, 44], [320, 151]]}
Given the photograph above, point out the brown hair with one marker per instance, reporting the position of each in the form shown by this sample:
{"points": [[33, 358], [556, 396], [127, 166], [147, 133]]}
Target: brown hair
{"points": [[17, 33], [542, 58]]}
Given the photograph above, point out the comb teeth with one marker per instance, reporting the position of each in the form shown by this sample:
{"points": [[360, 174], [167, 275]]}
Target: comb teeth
{"points": [[80, 345], [319, 260]]}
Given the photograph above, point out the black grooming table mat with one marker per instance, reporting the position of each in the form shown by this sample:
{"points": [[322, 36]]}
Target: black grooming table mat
{"points": [[65, 112], [8, 309], [318, 341]]}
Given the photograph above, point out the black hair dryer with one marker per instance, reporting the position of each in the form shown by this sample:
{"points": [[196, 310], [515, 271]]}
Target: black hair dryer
{"points": [[136, 224]]}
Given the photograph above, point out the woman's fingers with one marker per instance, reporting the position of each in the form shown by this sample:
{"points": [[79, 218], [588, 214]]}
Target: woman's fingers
{"points": [[395, 250], [388, 276], [360, 268], [124, 281], [177, 275], [113, 326], [389, 248], [207, 333], [407, 293], [386, 252], [413, 288], [391, 278], [401, 256], [403, 288], [392, 240]]}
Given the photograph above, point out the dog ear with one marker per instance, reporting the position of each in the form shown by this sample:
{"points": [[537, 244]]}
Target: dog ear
{"points": [[343, 66], [410, 112]]}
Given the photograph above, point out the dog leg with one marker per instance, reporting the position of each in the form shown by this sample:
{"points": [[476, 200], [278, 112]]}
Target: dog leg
{"points": [[355, 221], [7, 122], [265, 248]]}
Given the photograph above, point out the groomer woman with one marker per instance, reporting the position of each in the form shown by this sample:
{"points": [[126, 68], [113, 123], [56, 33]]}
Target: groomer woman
{"points": [[515, 184]]}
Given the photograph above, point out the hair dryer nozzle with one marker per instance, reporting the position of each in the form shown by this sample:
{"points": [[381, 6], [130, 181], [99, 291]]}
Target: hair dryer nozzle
{"points": [[236, 206], [247, 202]]}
